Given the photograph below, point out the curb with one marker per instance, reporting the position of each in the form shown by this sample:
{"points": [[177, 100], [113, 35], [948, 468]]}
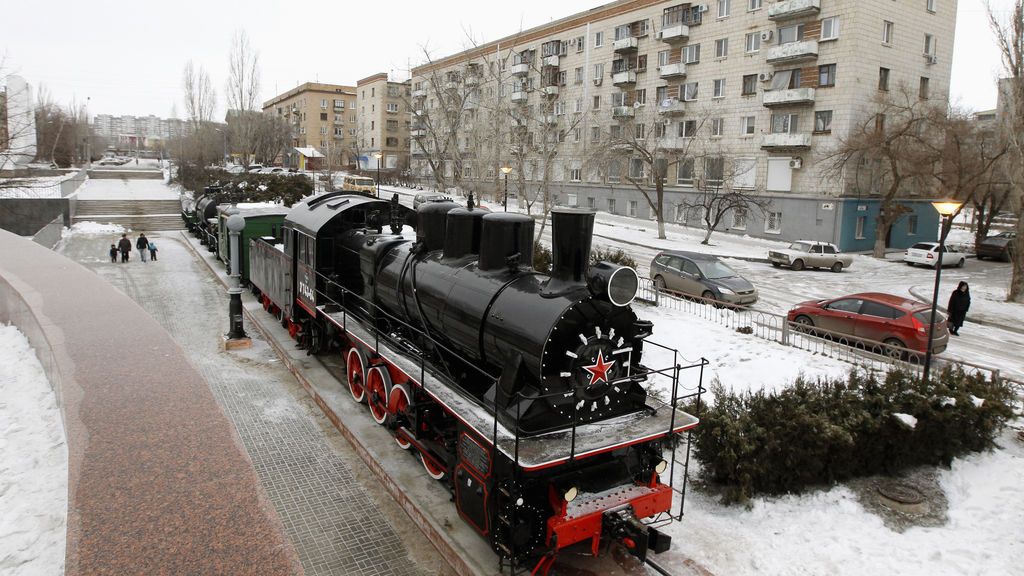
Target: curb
{"points": [[916, 292]]}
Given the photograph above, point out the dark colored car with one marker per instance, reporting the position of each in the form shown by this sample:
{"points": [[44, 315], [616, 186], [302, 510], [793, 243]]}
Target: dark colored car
{"points": [[998, 246], [703, 275], [871, 317]]}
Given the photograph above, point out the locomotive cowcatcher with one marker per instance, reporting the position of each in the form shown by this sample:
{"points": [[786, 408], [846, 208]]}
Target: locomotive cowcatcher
{"points": [[522, 392]]}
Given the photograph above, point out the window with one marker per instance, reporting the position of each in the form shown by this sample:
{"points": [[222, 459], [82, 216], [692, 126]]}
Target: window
{"points": [[575, 175], [559, 108], [786, 79], [640, 131], [879, 122], [826, 75], [717, 127], [684, 172], [660, 94], [719, 88], [641, 96], [883, 79], [595, 134], [773, 223], [721, 48], [598, 39], [785, 123], [392, 107], [929, 44], [714, 170], [577, 134], [578, 78], [691, 53], [580, 44], [929, 5], [615, 132], [614, 172], [663, 57], [688, 128], [631, 208], [339, 104], [739, 219], [749, 84], [591, 202], [619, 99], [830, 28], [753, 5], [578, 106], [597, 102], [690, 91], [922, 92], [323, 116], [753, 42], [887, 30], [823, 121], [851, 305], [744, 172], [912, 225], [747, 125], [323, 130], [859, 232], [792, 33], [636, 168], [323, 103], [598, 71], [723, 8], [611, 205]]}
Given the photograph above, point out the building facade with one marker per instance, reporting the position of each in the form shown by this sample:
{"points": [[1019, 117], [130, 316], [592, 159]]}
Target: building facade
{"points": [[383, 123], [752, 92], [144, 127], [322, 116]]}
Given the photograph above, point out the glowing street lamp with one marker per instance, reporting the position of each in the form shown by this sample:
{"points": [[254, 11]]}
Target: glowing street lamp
{"points": [[946, 209], [506, 170]]}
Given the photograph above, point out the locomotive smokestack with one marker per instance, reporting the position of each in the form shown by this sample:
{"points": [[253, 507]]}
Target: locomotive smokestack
{"points": [[571, 234]]}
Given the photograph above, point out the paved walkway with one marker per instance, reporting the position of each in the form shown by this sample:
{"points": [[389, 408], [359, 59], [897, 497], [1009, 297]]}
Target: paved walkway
{"points": [[338, 520], [124, 189]]}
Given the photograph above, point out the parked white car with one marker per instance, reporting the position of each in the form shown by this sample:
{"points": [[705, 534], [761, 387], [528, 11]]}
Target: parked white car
{"points": [[926, 253], [810, 254]]}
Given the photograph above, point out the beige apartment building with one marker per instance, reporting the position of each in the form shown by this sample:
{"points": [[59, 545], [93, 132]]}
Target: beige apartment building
{"points": [[768, 87], [323, 117], [382, 135]]}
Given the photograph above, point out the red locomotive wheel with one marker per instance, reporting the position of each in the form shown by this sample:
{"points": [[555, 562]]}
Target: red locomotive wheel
{"points": [[356, 372], [378, 390], [435, 471], [398, 404], [266, 302]]}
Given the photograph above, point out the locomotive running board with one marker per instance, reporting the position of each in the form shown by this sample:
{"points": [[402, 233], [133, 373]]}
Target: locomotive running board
{"points": [[535, 452]]}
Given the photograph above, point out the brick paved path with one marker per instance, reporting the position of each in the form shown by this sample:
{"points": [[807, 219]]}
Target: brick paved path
{"points": [[338, 520]]}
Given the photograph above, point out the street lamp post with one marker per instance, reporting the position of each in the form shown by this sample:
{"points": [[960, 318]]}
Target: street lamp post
{"points": [[236, 337], [946, 209], [378, 156], [505, 170]]}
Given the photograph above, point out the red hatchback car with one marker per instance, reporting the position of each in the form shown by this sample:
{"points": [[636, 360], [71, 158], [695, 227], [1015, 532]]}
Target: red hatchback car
{"points": [[874, 317]]}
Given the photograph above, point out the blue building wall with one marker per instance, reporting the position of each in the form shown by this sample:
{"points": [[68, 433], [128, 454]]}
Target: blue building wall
{"points": [[901, 235]]}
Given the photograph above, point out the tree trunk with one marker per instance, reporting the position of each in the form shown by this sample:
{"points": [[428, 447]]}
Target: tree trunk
{"points": [[883, 223], [659, 213], [1016, 291]]}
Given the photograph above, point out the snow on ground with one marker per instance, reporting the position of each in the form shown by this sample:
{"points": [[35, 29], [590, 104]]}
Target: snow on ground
{"points": [[123, 189], [92, 228], [830, 532], [43, 187], [33, 463]]}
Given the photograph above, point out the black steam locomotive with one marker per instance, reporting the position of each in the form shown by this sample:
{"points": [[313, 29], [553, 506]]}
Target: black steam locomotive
{"points": [[522, 391]]}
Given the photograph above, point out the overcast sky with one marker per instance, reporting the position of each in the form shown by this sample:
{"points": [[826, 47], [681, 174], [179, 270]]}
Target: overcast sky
{"points": [[127, 57]]}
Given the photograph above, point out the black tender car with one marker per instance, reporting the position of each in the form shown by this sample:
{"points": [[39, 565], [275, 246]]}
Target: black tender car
{"points": [[999, 246]]}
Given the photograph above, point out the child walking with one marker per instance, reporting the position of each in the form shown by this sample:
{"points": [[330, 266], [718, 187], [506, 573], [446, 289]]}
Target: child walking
{"points": [[113, 253], [152, 250]]}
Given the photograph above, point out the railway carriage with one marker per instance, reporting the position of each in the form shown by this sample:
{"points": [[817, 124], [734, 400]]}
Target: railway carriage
{"points": [[523, 392]]}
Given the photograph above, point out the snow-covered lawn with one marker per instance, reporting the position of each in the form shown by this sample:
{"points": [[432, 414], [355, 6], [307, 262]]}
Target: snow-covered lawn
{"points": [[42, 187], [33, 464]]}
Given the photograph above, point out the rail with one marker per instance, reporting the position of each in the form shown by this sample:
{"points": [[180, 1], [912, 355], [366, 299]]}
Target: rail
{"points": [[868, 354]]}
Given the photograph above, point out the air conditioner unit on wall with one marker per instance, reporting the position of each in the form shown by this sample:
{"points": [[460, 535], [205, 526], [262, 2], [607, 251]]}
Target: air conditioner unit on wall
{"points": [[765, 76], [766, 36], [597, 81], [796, 163], [702, 7], [931, 58]]}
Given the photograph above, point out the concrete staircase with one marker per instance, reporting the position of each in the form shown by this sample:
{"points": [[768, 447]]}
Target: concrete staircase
{"points": [[141, 215]]}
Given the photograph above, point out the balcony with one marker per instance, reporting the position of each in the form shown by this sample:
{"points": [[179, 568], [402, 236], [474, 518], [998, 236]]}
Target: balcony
{"points": [[551, 60], [521, 69], [624, 77], [520, 97], [793, 52], [419, 93], [677, 33], [677, 70], [788, 97], [472, 81], [625, 44], [419, 112], [672, 107], [451, 86], [549, 119], [418, 133], [793, 9], [784, 141], [549, 90], [673, 143], [622, 112]]}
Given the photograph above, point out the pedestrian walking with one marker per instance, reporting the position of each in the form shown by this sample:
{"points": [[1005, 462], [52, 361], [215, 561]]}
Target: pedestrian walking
{"points": [[152, 251], [113, 253], [959, 304], [143, 245], [125, 246]]}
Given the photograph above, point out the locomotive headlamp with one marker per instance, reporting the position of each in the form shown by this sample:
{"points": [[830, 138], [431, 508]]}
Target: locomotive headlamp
{"points": [[571, 494], [619, 284], [660, 467]]}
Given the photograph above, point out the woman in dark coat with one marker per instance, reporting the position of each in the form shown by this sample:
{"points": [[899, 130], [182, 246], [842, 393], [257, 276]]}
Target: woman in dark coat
{"points": [[959, 303]]}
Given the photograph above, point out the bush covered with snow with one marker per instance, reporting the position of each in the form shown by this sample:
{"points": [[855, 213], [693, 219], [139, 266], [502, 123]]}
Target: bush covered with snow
{"points": [[613, 255], [825, 431], [284, 188]]}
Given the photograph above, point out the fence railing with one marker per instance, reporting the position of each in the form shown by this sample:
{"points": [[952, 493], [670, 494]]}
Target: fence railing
{"points": [[867, 354]]}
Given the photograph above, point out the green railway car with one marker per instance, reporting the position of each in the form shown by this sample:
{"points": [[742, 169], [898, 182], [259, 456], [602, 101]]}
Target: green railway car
{"points": [[260, 220]]}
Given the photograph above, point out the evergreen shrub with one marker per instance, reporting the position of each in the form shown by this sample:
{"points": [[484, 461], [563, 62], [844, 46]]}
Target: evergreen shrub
{"points": [[615, 256], [829, 430]]}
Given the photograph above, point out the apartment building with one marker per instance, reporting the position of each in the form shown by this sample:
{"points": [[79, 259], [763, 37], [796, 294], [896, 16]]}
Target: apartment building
{"points": [[323, 117], [382, 136], [764, 89], [149, 127]]}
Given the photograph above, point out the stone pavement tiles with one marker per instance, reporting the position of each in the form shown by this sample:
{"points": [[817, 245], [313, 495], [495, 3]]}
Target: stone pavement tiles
{"points": [[335, 523]]}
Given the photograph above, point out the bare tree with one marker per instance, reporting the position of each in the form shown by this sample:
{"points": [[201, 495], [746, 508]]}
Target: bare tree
{"points": [[724, 190], [1009, 33], [243, 92], [888, 152], [200, 96]]}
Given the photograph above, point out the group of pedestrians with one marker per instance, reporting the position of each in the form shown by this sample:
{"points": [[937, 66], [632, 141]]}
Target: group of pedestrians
{"points": [[124, 247]]}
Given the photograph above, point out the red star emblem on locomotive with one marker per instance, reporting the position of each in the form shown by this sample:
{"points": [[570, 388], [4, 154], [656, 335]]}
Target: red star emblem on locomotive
{"points": [[599, 369]]}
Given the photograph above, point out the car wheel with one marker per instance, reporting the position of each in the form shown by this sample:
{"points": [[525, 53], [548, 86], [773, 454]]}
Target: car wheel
{"points": [[709, 297], [909, 263], [776, 265], [659, 283], [837, 267], [893, 348], [798, 265], [961, 263], [804, 324]]}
